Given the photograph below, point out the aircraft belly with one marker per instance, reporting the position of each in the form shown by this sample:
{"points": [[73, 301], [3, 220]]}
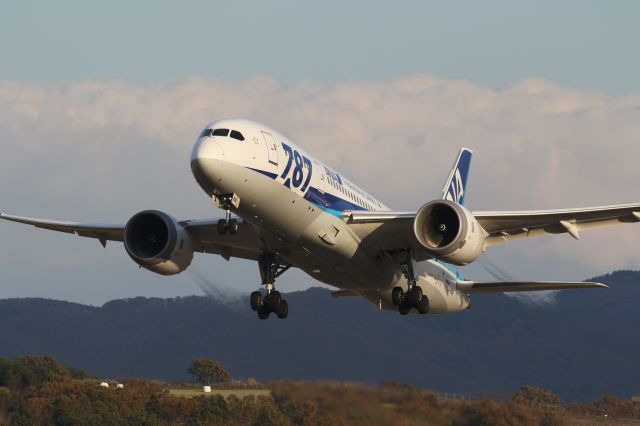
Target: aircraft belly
{"points": [[300, 232], [433, 280]]}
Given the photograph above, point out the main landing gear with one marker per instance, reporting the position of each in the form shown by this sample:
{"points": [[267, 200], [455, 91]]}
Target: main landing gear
{"points": [[270, 269], [227, 224], [413, 297]]}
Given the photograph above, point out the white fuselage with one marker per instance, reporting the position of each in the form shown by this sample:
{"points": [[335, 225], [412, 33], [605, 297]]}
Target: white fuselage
{"points": [[295, 203]]}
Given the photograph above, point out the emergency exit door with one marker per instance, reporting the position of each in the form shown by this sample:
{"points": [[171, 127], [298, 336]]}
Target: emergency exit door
{"points": [[272, 150]]}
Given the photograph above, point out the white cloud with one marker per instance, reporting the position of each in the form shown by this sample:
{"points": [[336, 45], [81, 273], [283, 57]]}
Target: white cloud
{"points": [[101, 150]]}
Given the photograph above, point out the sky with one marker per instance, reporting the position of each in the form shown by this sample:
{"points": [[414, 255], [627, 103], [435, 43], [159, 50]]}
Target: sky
{"points": [[100, 106]]}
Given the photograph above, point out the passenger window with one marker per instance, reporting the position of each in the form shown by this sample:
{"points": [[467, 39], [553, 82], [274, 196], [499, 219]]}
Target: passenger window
{"points": [[205, 133], [220, 132], [237, 135]]}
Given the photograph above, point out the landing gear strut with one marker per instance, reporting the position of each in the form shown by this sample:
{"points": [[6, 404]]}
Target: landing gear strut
{"points": [[413, 297], [227, 224], [270, 269]]}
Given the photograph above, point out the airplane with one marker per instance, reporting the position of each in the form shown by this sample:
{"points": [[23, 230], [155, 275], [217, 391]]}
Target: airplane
{"points": [[284, 208]]}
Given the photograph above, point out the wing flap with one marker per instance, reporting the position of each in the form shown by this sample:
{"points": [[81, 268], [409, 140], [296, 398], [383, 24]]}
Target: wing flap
{"points": [[517, 286]]}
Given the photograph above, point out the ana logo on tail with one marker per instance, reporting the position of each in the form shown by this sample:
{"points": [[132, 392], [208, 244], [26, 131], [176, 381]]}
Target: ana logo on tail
{"points": [[454, 187]]}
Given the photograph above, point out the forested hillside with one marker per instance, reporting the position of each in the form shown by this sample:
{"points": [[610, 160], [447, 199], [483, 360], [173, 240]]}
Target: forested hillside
{"points": [[583, 346]]}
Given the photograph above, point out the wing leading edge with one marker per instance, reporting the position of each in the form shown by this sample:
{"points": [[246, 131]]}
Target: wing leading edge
{"points": [[102, 232], [504, 226]]}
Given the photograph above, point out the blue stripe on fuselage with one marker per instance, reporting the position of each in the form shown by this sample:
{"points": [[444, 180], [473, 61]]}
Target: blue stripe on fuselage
{"points": [[450, 267], [263, 172], [331, 202], [323, 200]]}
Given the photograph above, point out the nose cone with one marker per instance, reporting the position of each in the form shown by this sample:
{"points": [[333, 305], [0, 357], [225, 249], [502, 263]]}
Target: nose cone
{"points": [[207, 162], [207, 149]]}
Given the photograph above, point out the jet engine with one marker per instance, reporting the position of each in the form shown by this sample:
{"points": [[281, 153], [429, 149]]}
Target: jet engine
{"points": [[449, 232], [157, 242]]}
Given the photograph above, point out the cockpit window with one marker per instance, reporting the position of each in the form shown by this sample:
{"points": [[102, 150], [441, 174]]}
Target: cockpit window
{"points": [[220, 132], [237, 135]]}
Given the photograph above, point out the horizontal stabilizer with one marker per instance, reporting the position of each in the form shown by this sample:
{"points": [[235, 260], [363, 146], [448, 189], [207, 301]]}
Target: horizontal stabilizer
{"points": [[513, 286]]}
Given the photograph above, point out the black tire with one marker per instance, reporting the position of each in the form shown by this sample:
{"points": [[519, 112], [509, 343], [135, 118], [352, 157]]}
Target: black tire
{"points": [[263, 314], [222, 226], [423, 306], [397, 296], [415, 296], [274, 299], [256, 300], [404, 309], [233, 226], [283, 309]]}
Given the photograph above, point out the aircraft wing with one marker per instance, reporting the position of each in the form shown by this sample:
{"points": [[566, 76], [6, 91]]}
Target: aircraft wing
{"points": [[388, 229], [517, 286], [244, 244], [102, 232], [204, 235], [504, 226]]}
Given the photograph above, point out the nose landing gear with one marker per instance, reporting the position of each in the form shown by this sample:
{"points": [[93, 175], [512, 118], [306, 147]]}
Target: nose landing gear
{"points": [[227, 224], [230, 225], [270, 269], [413, 297]]}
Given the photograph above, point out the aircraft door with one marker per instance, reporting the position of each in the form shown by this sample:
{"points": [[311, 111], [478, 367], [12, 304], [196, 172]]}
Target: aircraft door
{"points": [[272, 150], [320, 176]]}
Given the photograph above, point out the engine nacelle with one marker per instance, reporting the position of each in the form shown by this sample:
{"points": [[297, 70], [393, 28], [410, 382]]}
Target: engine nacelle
{"points": [[449, 232], [156, 241]]}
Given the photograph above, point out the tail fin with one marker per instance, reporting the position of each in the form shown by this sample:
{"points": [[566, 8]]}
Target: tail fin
{"points": [[456, 184]]}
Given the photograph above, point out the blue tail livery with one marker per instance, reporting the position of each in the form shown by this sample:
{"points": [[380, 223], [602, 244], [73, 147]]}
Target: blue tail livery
{"points": [[456, 184]]}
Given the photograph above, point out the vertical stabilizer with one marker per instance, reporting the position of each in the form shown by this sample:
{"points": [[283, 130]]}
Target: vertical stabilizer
{"points": [[455, 187]]}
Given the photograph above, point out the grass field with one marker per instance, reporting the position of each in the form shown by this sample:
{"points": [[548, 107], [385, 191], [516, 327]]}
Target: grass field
{"points": [[238, 393]]}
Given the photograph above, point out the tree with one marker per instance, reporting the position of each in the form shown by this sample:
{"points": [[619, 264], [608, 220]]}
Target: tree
{"points": [[207, 371], [36, 370], [613, 406], [6, 372], [535, 395]]}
